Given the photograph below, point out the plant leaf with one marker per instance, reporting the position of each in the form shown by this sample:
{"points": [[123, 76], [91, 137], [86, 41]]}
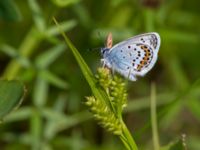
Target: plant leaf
{"points": [[178, 145], [9, 10], [66, 26], [49, 56], [37, 15], [53, 79], [98, 92], [64, 3], [11, 95]]}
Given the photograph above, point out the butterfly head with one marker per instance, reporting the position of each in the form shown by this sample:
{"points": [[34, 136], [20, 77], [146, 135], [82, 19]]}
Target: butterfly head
{"points": [[104, 51]]}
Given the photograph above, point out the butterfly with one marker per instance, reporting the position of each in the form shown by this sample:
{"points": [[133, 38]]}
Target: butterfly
{"points": [[133, 57]]}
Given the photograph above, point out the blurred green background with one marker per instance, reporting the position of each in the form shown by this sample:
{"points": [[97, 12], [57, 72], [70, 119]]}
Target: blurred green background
{"points": [[53, 114]]}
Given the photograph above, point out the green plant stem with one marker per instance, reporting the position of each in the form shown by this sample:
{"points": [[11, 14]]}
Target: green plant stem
{"points": [[129, 139], [124, 141], [97, 91], [25, 50], [154, 118]]}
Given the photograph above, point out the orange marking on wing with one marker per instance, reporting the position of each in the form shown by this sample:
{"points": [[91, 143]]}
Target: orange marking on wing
{"points": [[142, 63], [139, 67]]}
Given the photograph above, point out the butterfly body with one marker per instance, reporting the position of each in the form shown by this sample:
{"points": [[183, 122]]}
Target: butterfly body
{"points": [[132, 57]]}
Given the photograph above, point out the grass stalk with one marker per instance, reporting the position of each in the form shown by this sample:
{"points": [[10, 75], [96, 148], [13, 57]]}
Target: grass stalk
{"points": [[154, 118]]}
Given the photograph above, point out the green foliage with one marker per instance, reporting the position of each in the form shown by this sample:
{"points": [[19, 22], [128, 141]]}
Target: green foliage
{"points": [[11, 96], [105, 105], [64, 3], [53, 115], [9, 11], [115, 89], [104, 115], [178, 145]]}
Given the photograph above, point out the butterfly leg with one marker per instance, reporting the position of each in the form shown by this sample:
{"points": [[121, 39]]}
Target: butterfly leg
{"points": [[103, 62], [129, 73], [113, 71], [132, 78]]}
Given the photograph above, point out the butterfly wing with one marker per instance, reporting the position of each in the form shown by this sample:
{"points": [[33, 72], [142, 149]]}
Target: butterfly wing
{"points": [[152, 39], [135, 56]]}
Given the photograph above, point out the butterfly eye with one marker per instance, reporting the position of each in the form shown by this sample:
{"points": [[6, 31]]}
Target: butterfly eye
{"points": [[103, 50]]}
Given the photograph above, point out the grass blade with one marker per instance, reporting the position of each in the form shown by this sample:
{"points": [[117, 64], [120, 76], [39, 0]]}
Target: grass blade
{"points": [[97, 90]]}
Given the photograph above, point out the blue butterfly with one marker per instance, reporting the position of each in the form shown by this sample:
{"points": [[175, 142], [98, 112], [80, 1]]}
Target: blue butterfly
{"points": [[133, 57]]}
